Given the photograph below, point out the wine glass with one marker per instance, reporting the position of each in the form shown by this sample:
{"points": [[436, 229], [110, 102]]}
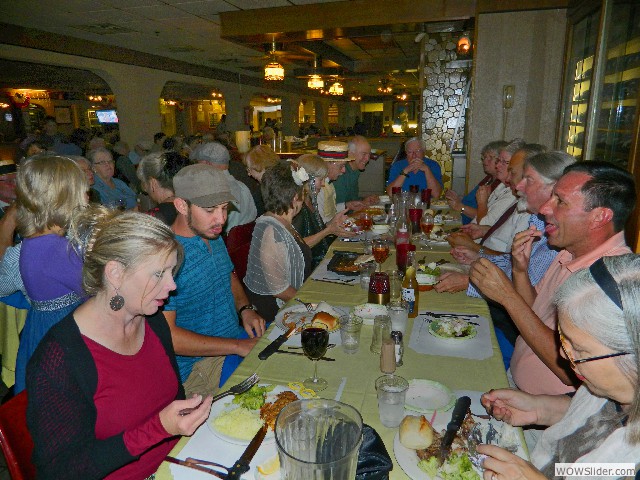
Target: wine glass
{"points": [[380, 251], [366, 222], [315, 340], [426, 225]]}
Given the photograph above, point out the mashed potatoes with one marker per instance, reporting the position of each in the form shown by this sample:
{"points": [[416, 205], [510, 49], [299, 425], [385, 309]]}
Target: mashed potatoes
{"points": [[239, 423]]}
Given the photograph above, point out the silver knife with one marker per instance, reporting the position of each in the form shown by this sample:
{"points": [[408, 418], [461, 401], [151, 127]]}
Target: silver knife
{"points": [[457, 417], [241, 466]]}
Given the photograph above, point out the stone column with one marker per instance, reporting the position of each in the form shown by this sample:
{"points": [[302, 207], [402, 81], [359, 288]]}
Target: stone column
{"points": [[322, 115], [236, 98], [290, 123]]}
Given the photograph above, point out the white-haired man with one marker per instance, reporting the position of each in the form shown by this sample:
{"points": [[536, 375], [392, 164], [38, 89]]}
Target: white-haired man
{"points": [[244, 208]]}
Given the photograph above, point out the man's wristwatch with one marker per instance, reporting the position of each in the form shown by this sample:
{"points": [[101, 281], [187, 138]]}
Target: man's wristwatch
{"points": [[462, 209], [403, 173], [248, 306]]}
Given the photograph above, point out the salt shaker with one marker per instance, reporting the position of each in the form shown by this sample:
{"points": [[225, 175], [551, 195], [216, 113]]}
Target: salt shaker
{"points": [[396, 337]]}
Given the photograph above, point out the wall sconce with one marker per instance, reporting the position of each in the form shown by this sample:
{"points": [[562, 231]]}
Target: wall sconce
{"points": [[464, 44]]}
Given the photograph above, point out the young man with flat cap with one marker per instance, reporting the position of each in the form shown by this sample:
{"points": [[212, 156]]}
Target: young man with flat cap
{"points": [[209, 313]]}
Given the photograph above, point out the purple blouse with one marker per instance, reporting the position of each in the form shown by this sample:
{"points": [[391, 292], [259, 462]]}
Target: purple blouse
{"points": [[50, 267]]}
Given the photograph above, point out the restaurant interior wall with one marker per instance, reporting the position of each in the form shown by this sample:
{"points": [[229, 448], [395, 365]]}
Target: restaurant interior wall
{"points": [[524, 49], [442, 102], [139, 88]]}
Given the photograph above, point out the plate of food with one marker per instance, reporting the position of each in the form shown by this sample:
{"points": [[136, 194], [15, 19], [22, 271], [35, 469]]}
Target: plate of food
{"points": [[439, 205], [298, 314], [427, 396], [237, 419], [417, 444], [453, 328], [369, 311], [344, 263]]}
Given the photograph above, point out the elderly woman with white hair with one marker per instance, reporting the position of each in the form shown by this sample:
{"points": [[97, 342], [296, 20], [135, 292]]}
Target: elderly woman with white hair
{"points": [[599, 335], [308, 222]]}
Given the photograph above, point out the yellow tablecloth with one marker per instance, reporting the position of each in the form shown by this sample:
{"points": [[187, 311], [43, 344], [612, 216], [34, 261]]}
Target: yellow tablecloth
{"points": [[362, 369], [11, 322]]}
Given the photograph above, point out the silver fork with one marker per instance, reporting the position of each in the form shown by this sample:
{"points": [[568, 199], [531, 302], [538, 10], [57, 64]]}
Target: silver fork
{"points": [[242, 387], [308, 306]]}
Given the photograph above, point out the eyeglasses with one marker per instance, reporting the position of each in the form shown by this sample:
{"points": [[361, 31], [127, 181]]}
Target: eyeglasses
{"points": [[501, 162], [105, 162], [575, 362]]}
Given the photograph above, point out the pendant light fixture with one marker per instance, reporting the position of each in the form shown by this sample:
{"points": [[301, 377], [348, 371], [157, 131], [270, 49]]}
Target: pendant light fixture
{"points": [[273, 71]]}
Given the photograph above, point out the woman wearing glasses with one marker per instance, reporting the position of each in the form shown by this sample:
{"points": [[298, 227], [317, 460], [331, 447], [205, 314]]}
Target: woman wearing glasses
{"points": [[599, 333]]}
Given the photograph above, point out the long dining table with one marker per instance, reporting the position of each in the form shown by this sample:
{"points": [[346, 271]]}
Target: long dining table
{"points": [[352, 377]]}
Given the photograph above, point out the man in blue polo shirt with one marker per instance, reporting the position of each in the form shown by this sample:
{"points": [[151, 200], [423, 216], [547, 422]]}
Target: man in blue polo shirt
{"points": [[416, 169], [209, 315]]}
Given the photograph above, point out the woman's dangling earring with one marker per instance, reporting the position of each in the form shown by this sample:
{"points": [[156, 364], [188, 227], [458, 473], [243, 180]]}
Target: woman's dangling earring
{"points": [[116, 302]]}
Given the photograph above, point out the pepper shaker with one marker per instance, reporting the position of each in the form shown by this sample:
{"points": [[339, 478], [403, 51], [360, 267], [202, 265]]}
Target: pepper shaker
{"points": [[396, 336], [387, 357]]}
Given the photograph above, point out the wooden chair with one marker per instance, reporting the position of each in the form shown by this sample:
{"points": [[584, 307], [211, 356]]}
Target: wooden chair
{"points": [[15, 439], [238, 244]]}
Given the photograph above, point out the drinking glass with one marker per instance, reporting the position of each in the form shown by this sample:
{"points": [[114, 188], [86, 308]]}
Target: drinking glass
{"points": [[426, 225], [392, 391], [366, 222], [381, 331], [380, 251], [395, 286], [315, 340], [350, 327]]}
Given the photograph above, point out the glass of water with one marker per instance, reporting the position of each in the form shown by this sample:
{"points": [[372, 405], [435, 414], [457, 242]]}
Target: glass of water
{"points": [[350, 327], [392, 390]]}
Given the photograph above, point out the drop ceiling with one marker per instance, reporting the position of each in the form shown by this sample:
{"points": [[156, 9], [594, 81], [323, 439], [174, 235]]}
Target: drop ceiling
{"points": [[194, 32]]}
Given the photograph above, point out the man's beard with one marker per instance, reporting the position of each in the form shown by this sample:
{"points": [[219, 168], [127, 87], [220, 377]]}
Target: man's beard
{"points": [[196, 230]]}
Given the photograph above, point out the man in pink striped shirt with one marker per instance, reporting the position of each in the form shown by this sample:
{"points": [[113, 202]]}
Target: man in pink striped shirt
{"points": [[584, 217]]}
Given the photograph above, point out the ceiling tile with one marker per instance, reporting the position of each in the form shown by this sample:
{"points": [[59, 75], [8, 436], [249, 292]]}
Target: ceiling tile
{"points": [[252, 4], [206, 8], [157, 12]]}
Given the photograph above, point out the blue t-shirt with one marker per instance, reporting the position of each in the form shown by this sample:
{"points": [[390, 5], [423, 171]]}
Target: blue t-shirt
{"points": [[203, 300], [414, 178], [111, 197], [470, 200]]}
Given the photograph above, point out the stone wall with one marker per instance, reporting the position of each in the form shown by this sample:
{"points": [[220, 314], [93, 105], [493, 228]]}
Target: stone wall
{"points": [[442, 100]]}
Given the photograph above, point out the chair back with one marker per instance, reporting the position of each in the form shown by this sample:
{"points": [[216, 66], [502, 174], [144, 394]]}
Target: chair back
{"points": [[15, 439], [238, 244]]}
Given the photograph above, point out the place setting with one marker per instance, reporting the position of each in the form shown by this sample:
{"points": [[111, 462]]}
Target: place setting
{"points": [[452, 334], [438, 438]]}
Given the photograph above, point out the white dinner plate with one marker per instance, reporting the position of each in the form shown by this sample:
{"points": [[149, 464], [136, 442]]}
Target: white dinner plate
{"points": [[408, 458], [300, 315], [425, 396], [226, 404]]}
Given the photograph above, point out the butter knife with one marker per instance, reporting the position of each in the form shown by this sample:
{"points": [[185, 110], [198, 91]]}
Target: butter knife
{"points": [[241, 465], [276, 344], [457, 417]]}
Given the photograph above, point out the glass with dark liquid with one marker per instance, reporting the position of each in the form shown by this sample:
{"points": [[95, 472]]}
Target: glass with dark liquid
{"points": [[315, 340]]}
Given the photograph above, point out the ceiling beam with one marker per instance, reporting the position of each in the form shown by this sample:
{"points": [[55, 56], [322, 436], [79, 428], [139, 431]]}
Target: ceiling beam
{"points": [[336, 15], [496, 6]]}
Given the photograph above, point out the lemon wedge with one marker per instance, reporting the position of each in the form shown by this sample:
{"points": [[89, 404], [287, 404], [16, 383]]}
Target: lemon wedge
{"points": [[270, 467]]}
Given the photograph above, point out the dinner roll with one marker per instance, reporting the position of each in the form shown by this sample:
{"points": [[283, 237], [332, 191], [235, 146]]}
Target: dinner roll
{"points": [[325, 318], [416, 433]]}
